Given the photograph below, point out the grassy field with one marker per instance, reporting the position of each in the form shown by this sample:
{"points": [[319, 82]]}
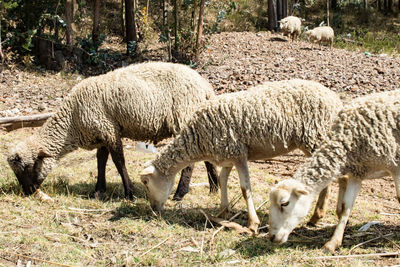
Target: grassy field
{"points": [[77, 230]]}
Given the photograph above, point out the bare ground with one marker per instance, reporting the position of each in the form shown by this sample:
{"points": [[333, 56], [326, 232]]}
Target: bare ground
{"points": [[77, 230]]}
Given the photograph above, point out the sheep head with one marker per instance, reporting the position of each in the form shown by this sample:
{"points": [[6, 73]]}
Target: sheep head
{"points": [[310, 34], [290, 203], [30, 163], [158, 186]]}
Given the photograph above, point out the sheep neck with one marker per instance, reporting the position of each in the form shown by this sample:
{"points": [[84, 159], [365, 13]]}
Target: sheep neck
{"points": [[177, 155], [323, 167], [56, 135]]}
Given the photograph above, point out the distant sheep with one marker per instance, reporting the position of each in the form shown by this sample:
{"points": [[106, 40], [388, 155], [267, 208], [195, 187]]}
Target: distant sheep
{"points": [[266, 121], [321, 34], [364, 143], [291, 27], [147, 102]]}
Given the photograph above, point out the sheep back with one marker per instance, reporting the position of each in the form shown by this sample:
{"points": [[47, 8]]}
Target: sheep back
{"points": [[293, 113], [148, 101]]}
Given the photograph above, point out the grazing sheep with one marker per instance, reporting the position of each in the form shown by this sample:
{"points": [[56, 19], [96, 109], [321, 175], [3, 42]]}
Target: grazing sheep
{"points": [[364, 143], [321, 34], [148, 102], [266, 121], [291, 27]]}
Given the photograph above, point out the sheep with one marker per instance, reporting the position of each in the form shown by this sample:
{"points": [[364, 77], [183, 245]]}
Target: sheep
{"points": [[266, 121], [364, 143], [147, 102], [291, 27], [321, 34]]}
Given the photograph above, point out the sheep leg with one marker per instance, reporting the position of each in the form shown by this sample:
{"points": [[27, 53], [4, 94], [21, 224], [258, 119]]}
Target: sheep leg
{"points": [[340, 203], [212, 176], [117, 155], [184, 182], [102, 157], [353, 187], [320, 208], [223, 182], [244, 177]]}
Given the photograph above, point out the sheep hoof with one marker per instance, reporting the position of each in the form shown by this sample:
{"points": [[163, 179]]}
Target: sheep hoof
{"points": [[99, 195], [129, 195], [314, 220], [330, 246], [177, 197], [254, 227], [43, 196]]}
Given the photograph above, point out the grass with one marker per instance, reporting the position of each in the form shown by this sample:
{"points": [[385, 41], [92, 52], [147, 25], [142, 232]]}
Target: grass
{"points": [[77, 230]]}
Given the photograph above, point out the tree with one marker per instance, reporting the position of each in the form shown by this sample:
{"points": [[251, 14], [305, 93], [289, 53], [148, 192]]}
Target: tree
{"points": [[272, 16], [69, 20], [96, 19], [200, 29], [131, 33]]}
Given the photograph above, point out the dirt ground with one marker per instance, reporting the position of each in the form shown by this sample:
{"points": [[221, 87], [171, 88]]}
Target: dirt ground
{"points": [[236, 61]]}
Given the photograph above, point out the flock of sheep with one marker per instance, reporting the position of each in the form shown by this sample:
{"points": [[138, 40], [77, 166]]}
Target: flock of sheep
{"points": [[291, 27], [154, 101]]}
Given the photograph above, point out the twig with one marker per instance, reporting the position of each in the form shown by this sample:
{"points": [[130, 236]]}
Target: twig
{"points": [[370, 240], [89, 210], [156, 246], [393, 243], [207, 218], [37, 259], [387, 254], [262, 204]]}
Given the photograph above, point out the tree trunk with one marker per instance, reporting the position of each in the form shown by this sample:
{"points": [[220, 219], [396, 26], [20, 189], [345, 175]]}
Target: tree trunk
{"points": [[123, 19], [284, 8], [131, 34], [390, 5], [96, 20], [176, 25], [272, 21], [334, 5], [200, 29], [327, 12], [1, 49], [69, 20], [279, 10]]}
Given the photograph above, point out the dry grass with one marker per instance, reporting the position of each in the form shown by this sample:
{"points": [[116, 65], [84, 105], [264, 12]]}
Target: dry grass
{"points": [[77, 230]]}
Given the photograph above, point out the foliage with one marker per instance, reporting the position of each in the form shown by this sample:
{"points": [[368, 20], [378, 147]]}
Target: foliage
{"points": [[94, 56]]}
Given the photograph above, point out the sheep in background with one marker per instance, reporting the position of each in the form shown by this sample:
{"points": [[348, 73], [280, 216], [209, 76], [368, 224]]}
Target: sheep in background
{"points": [[321, 34], [147, 102], [364, 143], [266, 121], [291, 27]]}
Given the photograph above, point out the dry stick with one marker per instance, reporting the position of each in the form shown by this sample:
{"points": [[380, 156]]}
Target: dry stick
{"points": [[13, 123], [391, 241], [207, 218], [240, 229], [37, 259], [156, 246], [232, 204], [387, 254], [370, 240]]}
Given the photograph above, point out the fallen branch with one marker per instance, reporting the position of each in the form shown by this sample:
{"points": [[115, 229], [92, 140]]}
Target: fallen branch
{"points": [[13, 123], [225, 223], [370, 240], [387, 254]]}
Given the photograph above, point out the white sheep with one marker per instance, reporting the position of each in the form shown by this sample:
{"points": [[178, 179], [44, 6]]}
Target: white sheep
{"points": [[147, 102], [291, 27], [364, 143], [320, 35], [266, 121]]}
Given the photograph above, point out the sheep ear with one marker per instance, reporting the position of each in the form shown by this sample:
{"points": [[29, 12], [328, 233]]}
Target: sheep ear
{"points": [[300, 191], [43, 154], [148, 171]]}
